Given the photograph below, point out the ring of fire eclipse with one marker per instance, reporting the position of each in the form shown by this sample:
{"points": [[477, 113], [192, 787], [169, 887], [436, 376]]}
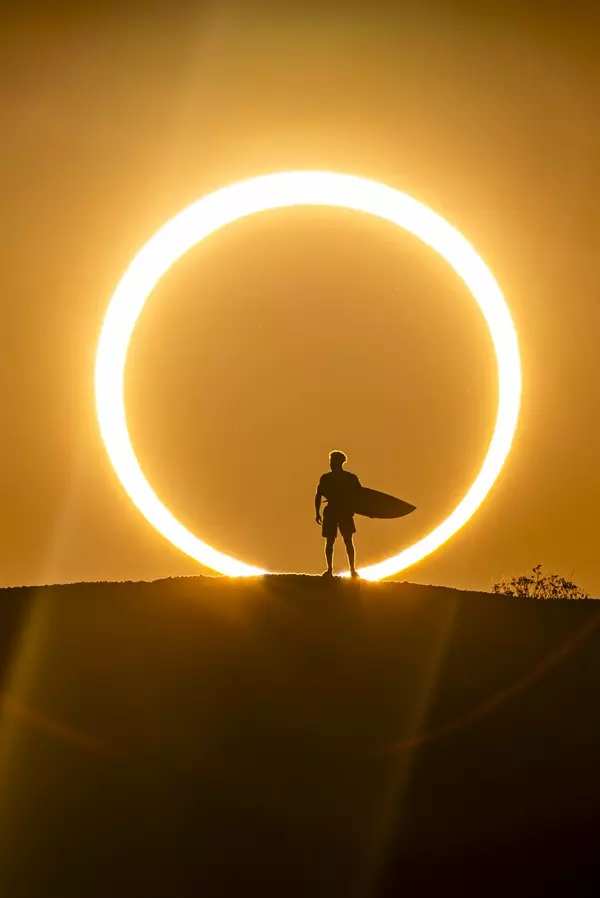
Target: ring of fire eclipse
{"points": [[273, 191]]}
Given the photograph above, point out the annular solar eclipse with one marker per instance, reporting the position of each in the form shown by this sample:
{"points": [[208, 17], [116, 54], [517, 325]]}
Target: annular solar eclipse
{"points": [[273, 191]]}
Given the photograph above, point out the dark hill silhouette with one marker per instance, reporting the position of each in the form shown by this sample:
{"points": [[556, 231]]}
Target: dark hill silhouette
{"points": [[293, 737]]}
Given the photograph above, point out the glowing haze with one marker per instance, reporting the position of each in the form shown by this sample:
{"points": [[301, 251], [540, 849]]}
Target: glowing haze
{"points": [[270, 192]]}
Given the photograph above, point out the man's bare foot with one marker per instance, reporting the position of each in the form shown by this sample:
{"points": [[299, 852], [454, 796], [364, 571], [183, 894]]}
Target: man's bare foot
{"points": [[327, 573], [355, 575]]}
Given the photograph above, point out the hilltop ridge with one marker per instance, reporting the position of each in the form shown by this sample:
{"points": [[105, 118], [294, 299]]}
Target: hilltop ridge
{"points": [[293, 736]]}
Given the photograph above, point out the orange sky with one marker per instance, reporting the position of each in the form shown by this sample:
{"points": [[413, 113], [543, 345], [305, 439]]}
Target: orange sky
{"points": [[294, 332]]}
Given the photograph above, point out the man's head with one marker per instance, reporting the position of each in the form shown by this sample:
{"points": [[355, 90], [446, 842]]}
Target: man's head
{"points": [[337, 460]]}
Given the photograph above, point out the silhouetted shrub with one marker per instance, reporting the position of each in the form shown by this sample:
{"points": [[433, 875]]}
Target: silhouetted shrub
{"points": [[539, 586]]}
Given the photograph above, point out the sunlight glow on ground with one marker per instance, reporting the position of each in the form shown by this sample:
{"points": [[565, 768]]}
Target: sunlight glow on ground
{"points": [[280, 190]]}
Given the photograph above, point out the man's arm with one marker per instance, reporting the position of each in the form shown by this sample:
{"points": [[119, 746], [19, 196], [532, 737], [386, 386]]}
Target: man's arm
{"points": [[357, 487], [318, 498]]}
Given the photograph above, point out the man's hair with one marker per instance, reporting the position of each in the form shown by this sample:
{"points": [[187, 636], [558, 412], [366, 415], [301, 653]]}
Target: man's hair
{"points": [[338, 457]]}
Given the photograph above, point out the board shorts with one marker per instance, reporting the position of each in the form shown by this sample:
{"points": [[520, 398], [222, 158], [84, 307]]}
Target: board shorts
{"points": [[332, 521]]}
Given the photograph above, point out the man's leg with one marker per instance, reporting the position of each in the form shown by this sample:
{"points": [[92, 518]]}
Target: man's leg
{"points": [[350, 552], [329, 553]]}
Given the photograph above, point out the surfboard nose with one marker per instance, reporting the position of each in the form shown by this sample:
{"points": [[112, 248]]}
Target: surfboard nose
{"points": [[374, 504]]}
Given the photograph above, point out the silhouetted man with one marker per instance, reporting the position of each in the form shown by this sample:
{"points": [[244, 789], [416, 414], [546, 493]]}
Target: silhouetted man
{"points": [[339, 488]]}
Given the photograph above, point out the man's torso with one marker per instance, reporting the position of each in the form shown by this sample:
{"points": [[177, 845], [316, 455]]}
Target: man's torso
{"points": [[339, 488]]}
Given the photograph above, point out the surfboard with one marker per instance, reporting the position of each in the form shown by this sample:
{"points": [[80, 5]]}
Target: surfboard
{"points": [[373, 504]]}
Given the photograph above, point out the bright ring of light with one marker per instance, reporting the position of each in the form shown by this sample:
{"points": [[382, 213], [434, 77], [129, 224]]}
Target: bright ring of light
{"points": [[302, 188]]}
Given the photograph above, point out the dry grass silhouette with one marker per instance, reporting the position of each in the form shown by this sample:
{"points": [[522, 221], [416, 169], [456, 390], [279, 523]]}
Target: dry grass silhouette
{"points": [[538, 585]]}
